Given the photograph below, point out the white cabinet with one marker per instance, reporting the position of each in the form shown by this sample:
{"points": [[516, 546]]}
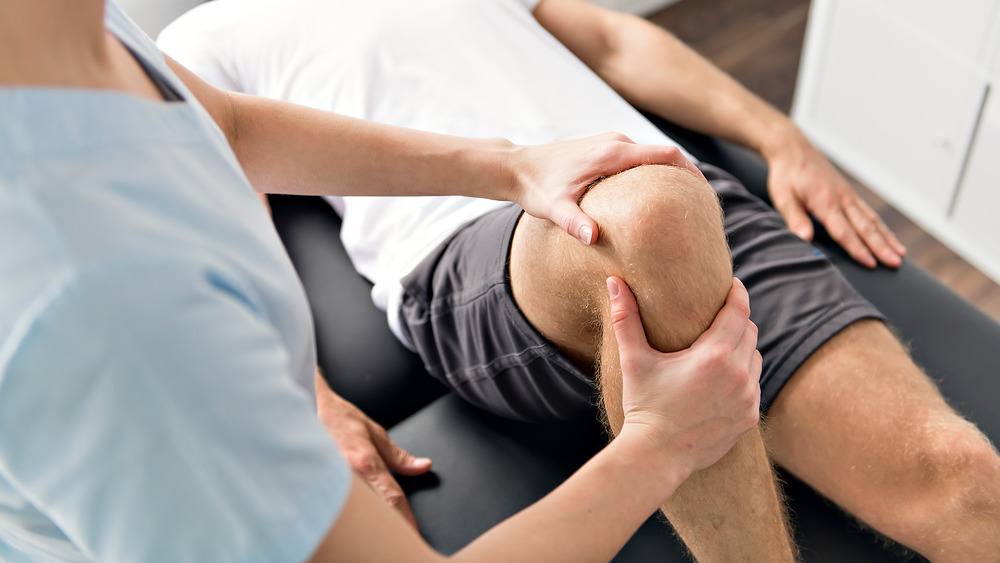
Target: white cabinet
{"points": [[898, 93], [976, 216]]}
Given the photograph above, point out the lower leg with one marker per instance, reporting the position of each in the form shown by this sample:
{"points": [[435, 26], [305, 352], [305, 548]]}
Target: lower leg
{"points": [[665, 239], [731, 511], [866, 428]]}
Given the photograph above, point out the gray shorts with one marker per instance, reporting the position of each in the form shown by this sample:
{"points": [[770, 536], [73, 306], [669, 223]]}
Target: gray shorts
{"points": [[460, 311]]}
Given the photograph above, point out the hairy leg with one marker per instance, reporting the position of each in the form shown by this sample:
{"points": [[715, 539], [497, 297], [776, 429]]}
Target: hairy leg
{"points": [[661, 231], [866, 428]]}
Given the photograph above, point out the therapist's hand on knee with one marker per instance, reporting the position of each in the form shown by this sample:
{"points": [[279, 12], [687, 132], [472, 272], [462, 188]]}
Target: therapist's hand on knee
{"points": [[550, 179], [697, 402]]}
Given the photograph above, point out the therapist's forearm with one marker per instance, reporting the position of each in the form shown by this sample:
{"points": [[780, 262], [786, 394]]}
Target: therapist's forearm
{"points": [[587, 518], [286, 148], [591, 515]]}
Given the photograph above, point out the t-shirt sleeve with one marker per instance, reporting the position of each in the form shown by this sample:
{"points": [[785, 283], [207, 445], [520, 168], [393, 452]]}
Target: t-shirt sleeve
{"points": [[530, 4], [152, 417]]}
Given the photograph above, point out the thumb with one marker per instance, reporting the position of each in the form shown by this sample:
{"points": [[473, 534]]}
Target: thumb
{"points": [[795, 216], [625, 319], [577, 223], [400, 461]]}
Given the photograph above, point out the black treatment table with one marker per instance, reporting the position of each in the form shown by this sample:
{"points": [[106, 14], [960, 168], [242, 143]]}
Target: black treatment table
{"points": [[487, 468]]}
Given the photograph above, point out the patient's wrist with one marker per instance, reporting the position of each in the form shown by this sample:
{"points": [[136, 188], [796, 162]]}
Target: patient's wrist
{"points": [[779, 137]]}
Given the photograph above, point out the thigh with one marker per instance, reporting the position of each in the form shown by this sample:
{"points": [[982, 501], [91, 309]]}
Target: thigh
{"points": [[860, 421], [461, 317], [799, 300], [553, 280]]}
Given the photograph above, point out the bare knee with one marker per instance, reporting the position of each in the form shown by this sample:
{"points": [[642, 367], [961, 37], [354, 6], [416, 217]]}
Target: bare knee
{"points": [[662, 231], [954, 473]]}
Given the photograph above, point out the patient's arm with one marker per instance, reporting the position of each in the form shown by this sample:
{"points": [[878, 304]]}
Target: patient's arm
{"points": [[367, 447], [287, 148], [656, 72]]}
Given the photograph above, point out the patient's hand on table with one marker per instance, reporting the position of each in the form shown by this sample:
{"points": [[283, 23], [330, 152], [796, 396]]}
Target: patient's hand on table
{"points": [[367, 448], [802, 182]]}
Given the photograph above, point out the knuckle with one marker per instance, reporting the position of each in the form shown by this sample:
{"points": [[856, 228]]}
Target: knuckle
{"points": [[394, 496], [378, 432], [868, 229], [825, 200], [715, 360], [619, 318], [743, 306], [364, 464]]}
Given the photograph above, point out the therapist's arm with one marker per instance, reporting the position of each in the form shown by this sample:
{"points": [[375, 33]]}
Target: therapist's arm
{"points": [[287, 148], [683, 411], [655, 71]]}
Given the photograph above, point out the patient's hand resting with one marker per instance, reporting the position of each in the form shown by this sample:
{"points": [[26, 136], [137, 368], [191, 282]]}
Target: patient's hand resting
{"points": [[367, 448], [802, 182]]}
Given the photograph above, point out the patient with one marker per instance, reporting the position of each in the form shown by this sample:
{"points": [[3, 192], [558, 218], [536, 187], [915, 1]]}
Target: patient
{"points": [[506, 309]]}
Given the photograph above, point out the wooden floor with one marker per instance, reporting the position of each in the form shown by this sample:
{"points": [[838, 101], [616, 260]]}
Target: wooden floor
{"points": [[759, 42]]}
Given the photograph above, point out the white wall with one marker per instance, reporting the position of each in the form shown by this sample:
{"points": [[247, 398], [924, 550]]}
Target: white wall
{"points": [[153, 15]]}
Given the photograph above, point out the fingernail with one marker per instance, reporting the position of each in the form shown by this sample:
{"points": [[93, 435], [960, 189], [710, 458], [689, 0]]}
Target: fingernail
{"points": [[585, 234], [613, 289], [422, 461]]}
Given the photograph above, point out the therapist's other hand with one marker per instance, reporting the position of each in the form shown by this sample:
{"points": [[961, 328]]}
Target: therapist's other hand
{"points": [[367, 447], [693, 404], [551, 179], [802, 182]]}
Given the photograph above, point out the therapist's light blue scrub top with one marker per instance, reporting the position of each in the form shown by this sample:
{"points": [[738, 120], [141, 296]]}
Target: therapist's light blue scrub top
{"points": [[156, 348]]}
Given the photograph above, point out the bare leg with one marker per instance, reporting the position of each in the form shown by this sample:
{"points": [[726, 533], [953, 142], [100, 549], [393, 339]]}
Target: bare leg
{"points": [[866, 428], [728, 512], [662, 233]]}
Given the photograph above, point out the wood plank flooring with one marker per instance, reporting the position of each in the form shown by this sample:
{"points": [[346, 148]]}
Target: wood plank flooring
{"points": [[759, 42]]}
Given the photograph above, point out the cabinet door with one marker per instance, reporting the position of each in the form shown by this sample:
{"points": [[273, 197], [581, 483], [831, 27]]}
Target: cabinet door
{"points": [[977, 208], [893, 108], [963, 27]]}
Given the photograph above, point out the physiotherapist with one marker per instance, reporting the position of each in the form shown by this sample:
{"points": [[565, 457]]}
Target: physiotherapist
{"points": [[157, 362]]}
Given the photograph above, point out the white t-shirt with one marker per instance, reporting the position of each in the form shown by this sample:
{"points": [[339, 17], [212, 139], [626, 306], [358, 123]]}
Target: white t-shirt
{"points": [[474, 68]]}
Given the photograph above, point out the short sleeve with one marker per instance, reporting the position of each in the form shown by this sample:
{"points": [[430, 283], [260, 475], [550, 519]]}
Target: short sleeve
{"points": [[151, 416]]}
